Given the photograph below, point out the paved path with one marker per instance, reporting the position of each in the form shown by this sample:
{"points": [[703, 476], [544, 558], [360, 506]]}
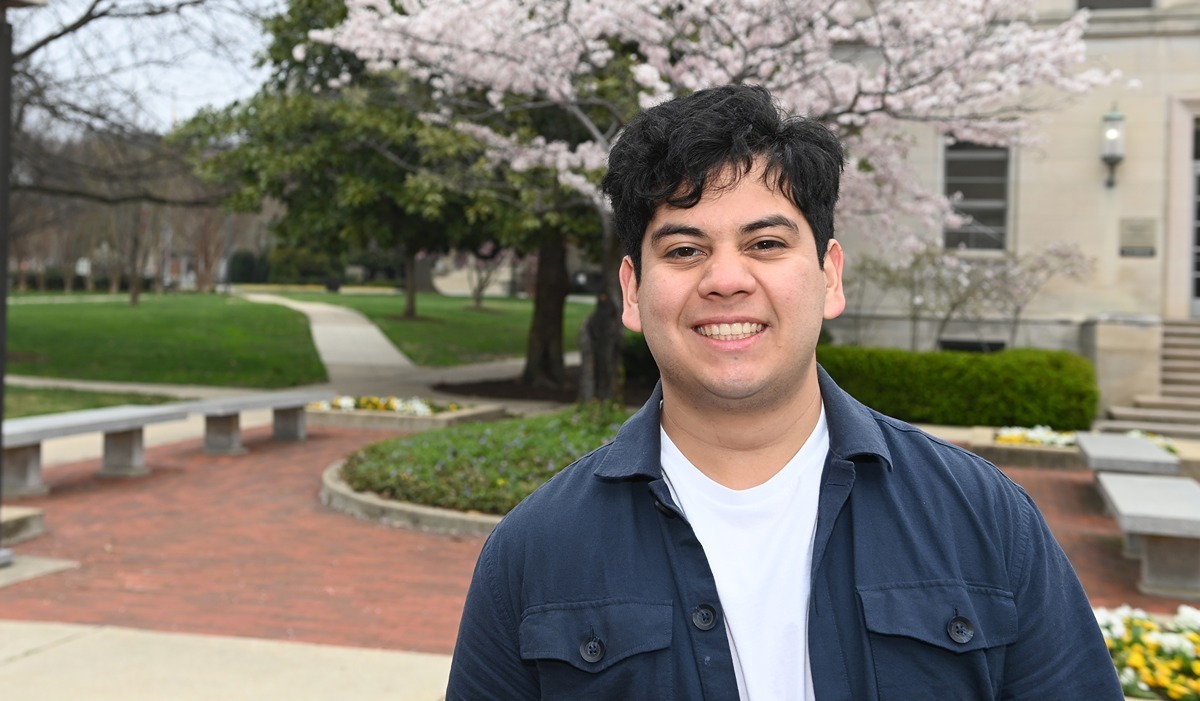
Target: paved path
{"points": [[351, 347]]}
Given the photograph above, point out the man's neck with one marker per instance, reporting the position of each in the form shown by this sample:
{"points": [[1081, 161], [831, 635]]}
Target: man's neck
{"points": [[741, 449]]}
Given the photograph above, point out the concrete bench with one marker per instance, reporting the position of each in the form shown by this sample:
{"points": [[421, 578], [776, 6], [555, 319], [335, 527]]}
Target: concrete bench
{"points": [[1113, 452], [1160, 516], [123, 442], [222, 416]]}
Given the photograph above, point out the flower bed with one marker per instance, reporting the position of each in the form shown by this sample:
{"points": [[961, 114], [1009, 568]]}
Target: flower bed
{"points": [[1155, 658], [410, 415], [1045, 436]]}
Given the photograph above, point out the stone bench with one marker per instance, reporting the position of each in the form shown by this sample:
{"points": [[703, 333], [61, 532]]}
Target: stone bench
{"points": [[122, 427], [222, 416], [1113, 452], [1160, 516]]}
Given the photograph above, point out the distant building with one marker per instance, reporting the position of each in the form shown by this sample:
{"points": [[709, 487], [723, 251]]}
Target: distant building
{"points": [[1143, 228]]}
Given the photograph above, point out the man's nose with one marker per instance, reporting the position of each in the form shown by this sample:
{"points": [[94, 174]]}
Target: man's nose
{"points": [[726, 273]]}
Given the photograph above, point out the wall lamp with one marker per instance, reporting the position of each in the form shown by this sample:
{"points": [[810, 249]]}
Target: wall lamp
{"points": [[1112, 151]]}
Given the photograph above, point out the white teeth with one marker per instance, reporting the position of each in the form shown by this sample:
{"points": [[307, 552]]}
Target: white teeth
{"points": [[729, 332]]}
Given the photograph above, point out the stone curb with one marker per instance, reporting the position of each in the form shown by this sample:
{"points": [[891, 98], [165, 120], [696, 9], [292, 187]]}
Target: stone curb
{"points": [[401, 423], [337, 495]]}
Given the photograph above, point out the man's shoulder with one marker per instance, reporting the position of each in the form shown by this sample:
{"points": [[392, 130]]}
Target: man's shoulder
{"points": [[929, 462], [556, 509]]}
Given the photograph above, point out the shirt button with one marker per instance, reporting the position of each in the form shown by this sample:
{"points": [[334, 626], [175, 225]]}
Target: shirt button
{"points": [[704, 617], [960, 629], [592, 650]]}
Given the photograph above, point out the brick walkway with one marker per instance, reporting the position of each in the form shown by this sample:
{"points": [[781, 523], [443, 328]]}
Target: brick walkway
{"points": [[240, 546]]}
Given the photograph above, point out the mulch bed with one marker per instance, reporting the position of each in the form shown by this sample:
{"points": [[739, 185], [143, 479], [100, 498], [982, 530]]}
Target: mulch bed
{"points": [[634, 394]]}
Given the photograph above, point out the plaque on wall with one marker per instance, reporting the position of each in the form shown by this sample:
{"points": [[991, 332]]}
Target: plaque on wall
{"points": [[1137, 238]]}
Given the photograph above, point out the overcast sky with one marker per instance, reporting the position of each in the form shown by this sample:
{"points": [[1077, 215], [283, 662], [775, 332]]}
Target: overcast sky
{"points": [[171, 66]]}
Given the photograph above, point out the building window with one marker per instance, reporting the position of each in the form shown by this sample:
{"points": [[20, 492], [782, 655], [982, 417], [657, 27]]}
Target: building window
{"points": [[1115, 4], [978, 175]]}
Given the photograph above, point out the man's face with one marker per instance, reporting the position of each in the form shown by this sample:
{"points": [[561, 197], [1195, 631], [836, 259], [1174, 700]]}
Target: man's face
{"points": [[731, 296]]}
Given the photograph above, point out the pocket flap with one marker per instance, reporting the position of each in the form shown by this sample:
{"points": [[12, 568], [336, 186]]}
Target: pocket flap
{"points": [[951, 615], [569, 632]]}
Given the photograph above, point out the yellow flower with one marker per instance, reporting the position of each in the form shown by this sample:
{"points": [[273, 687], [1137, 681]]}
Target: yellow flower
{"points": [[1136, 660]]}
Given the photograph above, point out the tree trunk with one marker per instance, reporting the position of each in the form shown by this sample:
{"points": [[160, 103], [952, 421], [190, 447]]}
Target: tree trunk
{"points": [[410, 285], [544, 365], [602, 335], [135, 255]]}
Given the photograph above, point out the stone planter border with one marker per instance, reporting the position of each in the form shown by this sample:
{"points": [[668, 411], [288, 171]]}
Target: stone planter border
{"points": [[338, 495], [401, 423], [1045, 457]]}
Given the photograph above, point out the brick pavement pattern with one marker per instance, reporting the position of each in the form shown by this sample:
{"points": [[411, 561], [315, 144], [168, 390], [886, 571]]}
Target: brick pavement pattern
{"points": [[239, 545]]}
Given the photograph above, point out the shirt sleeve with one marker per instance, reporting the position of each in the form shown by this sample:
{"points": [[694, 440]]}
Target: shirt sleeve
{"points": [[1060, 651], [487, 662]]}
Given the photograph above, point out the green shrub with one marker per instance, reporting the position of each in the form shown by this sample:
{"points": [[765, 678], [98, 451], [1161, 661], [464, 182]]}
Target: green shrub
{"points": [[296, 264], [248, 266], [482, 467], [1016, 387]]}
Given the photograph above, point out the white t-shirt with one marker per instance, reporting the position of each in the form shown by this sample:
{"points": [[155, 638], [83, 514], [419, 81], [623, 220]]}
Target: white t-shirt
{"points": [[759, 544]]}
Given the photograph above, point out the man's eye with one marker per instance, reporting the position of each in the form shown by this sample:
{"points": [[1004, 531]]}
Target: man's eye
{"points": [[683, 252], [767, 244]]}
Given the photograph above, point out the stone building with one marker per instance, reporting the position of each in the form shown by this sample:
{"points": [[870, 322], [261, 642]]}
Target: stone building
{"points": [[1137, 215]]}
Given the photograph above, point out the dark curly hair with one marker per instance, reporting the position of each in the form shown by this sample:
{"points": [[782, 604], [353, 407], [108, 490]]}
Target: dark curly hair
{"points": [[668, 154]]}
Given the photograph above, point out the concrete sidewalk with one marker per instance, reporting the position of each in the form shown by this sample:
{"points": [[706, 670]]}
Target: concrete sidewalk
{"points": [[68, 662]]}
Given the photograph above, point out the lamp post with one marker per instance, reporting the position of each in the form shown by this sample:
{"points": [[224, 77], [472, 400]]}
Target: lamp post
{"points": [[6, 61], [1112, 150]]}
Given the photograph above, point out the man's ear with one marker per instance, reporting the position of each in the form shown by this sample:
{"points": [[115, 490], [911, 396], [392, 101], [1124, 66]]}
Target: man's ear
{"points": [[835, 296], [630, 315]]}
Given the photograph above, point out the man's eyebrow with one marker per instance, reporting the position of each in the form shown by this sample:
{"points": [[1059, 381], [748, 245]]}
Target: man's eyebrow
{"points": [[770, 222], [670, 229]]}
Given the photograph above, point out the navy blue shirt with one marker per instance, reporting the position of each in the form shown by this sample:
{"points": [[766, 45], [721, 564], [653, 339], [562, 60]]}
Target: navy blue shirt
{"points": [[934, 576]]}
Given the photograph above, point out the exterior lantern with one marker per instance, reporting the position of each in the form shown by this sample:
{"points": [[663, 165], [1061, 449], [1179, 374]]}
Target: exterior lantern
{"points": [[1113, 147]]}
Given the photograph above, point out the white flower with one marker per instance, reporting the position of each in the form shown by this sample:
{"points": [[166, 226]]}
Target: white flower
{"points": [[344, 402], [1172, 643], [1188, 618]]}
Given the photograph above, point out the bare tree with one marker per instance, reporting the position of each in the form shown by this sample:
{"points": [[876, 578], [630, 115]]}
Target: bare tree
{"points": [[88, 94]]}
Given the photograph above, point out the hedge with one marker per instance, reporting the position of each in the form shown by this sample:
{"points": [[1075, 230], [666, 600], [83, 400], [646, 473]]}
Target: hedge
{"points": [[1015, 387]]}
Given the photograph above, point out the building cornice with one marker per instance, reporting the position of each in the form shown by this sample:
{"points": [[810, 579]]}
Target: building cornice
{"points": [[1134, 23]]}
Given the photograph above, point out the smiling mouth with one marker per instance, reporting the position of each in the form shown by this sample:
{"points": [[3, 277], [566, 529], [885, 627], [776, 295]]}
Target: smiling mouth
{"points": [[730, 332]]}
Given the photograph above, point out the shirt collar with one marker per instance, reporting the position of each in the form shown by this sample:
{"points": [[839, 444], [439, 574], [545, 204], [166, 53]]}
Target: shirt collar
{"points": [[853, 435]]}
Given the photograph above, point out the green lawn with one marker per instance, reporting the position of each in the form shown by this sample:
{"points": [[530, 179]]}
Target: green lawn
{"points": [[27, 401], [448, 330], [181, 339]]}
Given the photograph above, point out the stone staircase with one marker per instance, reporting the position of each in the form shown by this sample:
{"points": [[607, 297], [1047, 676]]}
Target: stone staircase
{"points": [[1175, 410]]}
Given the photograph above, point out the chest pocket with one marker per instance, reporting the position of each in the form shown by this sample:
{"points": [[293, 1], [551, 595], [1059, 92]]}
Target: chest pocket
{"points": [[606, 649], [938, 639]]}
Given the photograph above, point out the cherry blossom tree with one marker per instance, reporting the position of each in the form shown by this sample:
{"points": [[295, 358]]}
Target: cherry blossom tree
{"points": [[977, 70]]}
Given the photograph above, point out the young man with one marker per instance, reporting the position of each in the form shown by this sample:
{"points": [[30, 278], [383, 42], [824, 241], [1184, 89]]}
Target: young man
{"points": [[754, 532]]}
